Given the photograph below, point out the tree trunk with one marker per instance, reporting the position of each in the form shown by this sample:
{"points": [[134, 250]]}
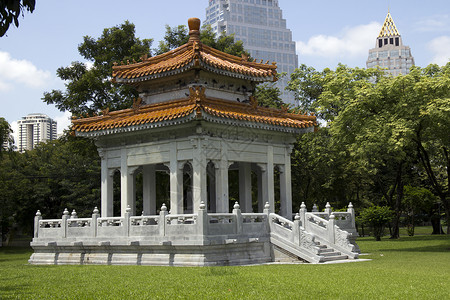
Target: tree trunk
{"points": [[395, 234], [436, 224]]}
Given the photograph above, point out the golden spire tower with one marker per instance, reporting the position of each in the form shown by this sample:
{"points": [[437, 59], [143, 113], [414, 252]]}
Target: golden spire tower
{"points": [[389, 52]]}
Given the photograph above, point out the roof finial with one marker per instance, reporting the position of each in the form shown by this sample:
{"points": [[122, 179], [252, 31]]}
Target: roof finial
{"points": [[194, 29]]}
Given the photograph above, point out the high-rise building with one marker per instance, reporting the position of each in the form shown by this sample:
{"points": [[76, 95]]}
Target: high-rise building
{"points": [[389, 51], [259, 24], [34, 129]]}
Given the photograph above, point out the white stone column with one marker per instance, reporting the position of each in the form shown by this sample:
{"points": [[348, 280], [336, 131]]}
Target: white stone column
{"points": [[199, 192], [286, 185], [127, 186], [106, 188], [211, 172], [259, 174], [245, 187], [149, 189], [176, 182], [270, 180], [222, 196]]}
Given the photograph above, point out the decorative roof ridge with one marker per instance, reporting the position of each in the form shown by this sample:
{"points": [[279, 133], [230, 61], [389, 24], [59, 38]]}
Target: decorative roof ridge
{"points": [[157, 58], [267, 111], [235, 59]]}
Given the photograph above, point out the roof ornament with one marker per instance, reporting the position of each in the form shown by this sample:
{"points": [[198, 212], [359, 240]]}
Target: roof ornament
{"points": [[253, 102], [197, 93], [137, 104], [194, 29]]}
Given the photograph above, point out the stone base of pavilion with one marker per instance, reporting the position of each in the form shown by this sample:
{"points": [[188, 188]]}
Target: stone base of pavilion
{"points": [[200, 239], [232, 252]]}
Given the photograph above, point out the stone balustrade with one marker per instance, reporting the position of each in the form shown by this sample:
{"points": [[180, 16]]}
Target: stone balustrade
{"points": [[301, 236]]}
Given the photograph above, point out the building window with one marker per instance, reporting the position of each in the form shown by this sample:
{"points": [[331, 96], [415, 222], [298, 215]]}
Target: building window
{"points": [[397, 41]]}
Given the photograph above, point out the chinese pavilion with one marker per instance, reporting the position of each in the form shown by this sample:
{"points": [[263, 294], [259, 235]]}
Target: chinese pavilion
{"points": [[195, 118]]}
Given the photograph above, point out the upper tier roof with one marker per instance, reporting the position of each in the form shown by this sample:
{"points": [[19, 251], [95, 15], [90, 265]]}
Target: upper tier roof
{"points": [[194, 55], [389, 28]]}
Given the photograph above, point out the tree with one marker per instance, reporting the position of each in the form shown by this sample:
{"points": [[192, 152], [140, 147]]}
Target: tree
{"points": [[417, 199], [268, 95], [89, 90], [6, 139], [387, 128], [179, 35], [10, 10], [377, 217], [55, 175]]}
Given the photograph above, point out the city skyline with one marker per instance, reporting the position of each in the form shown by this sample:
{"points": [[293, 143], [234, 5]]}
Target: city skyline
{"points": [[261, 26], [325, 32]]}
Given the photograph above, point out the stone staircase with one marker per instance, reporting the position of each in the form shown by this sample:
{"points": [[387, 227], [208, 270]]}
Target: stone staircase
{"points": [[315, 238], [329, 254]]}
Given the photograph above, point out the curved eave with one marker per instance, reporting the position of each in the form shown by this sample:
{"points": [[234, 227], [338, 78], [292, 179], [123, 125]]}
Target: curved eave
{"points": [[305, 126], [134, 128]]}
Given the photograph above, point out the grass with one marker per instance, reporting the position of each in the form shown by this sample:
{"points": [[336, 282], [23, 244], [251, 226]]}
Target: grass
{"points": [[409, 268]]}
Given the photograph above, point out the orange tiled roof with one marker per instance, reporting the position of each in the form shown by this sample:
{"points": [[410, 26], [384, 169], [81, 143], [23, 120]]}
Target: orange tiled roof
{"points": [[195, 107], [189, 56]]}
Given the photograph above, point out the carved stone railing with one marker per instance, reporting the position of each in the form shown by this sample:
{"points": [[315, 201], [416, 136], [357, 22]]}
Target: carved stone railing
{"points": [[334, 229], [152, 228], [300, 236]]}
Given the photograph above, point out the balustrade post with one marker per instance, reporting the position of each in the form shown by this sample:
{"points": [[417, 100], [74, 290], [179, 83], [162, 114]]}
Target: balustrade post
{"points": [[328, 209], [162, 220], [94, 224], [315, 208], [65, 217], [296, 229], [352, 215], [302, 212], [37, 218], [267, 212], [73, 215], [267, 208], [331, 229], [202, 219], [238, 214], [126, 220]]}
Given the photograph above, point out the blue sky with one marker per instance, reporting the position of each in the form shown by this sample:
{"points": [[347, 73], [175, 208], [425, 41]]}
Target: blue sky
{"points": [[326, 31]]}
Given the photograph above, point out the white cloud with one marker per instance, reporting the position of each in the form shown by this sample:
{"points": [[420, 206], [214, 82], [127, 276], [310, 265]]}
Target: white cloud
{"points": [[436, 23], [440, 47], [351, 42], [13, 71], [63, 121]]}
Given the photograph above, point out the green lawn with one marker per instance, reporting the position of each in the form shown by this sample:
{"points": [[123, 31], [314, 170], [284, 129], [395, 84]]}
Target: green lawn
{"points": [[409, 268]]}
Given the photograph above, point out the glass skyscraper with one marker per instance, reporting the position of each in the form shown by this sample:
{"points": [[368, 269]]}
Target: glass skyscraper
{"points": [[259, 24], [389, 51]]}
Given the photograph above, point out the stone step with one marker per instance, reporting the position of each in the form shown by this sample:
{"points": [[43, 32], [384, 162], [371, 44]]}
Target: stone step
{"points": [[333, 258], [325, 250], [327, 254]]}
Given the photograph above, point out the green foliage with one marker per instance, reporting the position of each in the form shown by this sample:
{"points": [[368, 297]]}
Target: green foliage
{"points": [[89, 90], [410, 268], [268, 95], [55, 175], [179, 35], [10, 11], [376, 217], [6, 138], [416, 199], [384, 133]]}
